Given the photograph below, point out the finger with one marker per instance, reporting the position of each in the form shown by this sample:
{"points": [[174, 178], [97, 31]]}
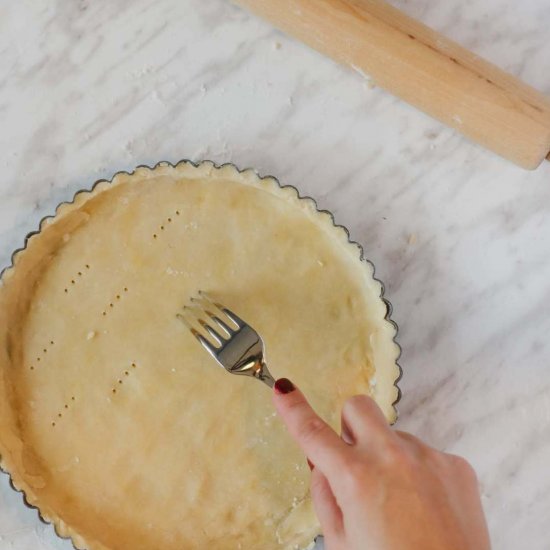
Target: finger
{"points": [[315, 437], [364, 421], [326, 507], [345, 432]]}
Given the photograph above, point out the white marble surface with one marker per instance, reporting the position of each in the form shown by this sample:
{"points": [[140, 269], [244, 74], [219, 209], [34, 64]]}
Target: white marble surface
{"points": [[460, 237]]}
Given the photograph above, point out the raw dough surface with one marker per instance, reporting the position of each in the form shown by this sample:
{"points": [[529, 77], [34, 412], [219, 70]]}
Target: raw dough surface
{"points": [[114, 420]]}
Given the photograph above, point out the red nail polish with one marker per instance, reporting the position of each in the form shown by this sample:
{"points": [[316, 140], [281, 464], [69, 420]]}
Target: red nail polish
{"points": [[284, 385], [310, 464]]}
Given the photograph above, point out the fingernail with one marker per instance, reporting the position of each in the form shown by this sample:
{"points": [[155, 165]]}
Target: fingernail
{"points": [[284, 385], [310, 464]]}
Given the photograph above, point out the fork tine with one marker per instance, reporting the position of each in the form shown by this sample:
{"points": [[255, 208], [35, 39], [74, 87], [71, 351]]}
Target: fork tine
{"points": [[198, 312], [189, 321], [216, 311], [235, 318], [222, 325], [215, 335], [206, 345], [222, 309], [185, 321]]}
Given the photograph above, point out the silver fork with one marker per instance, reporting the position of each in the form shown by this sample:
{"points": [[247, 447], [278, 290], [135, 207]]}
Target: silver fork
{"points": [[239, 349]]}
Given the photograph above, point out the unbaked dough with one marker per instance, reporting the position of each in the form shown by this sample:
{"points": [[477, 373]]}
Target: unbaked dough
{"points": [[116, 423]]}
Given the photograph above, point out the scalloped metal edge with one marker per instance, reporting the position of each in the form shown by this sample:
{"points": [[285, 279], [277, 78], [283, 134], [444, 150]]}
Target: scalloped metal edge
{"points": [[46, 219]]}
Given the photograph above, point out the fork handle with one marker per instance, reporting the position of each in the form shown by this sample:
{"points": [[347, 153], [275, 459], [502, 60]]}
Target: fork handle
{"points": [[264, 375]]}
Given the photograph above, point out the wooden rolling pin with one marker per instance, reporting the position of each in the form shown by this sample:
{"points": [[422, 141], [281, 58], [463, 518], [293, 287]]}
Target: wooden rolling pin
{"points": [[424, 68]]}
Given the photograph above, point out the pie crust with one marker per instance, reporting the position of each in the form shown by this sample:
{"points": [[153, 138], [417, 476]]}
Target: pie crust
{"points": [[115, 423]]}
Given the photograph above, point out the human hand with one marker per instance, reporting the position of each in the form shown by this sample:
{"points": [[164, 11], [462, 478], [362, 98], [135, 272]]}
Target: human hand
{"points": [[379, 489]]}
